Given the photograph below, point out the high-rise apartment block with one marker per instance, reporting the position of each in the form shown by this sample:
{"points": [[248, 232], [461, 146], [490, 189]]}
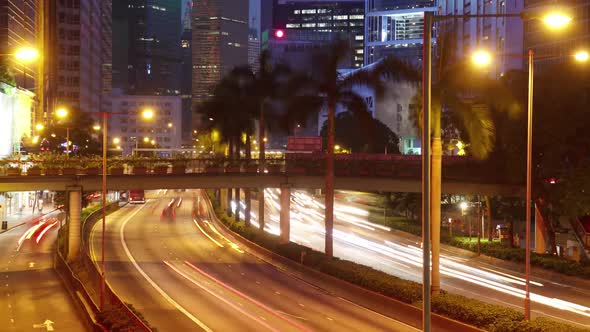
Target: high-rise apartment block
{"points": [[76, 53], [501, 36], [557, 45], [220, 42], [18, 28]]}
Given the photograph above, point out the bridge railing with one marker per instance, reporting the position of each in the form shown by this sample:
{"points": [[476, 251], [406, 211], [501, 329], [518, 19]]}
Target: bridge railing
{"points": [[373, 165]]}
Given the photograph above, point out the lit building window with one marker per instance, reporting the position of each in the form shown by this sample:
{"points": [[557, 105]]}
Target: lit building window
{"points": [[340, 17]]}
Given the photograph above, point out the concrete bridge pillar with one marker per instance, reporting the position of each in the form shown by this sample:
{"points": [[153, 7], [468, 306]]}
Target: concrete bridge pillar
{"points": [[223, 199], [230, 193], [261, 208], [237, 201], [74, 210], [248, 201], [285, 219]]}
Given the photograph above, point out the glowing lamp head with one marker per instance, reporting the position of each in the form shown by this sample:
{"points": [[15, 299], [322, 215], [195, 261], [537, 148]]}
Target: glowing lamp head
{"points": [[116, 140], [481, 58], [39, 127], [61, 113], [96, 127], [582, 56], [147, 114], [146, 139], [463, 205], [557, 20], [280, 34], [27, 54]]}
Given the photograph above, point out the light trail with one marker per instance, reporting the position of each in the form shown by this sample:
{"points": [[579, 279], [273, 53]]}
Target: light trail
{"points": [[307, 220]]}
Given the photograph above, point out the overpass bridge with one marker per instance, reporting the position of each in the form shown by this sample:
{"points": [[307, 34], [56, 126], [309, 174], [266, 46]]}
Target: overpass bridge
{"points": [[391, 173]]}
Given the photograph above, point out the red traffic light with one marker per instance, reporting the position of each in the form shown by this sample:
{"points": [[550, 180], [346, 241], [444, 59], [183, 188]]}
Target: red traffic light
{"points": [[280, 34]]}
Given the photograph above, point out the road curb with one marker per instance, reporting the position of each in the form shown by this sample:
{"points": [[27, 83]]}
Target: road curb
{"points": [[11, 228], [378, 303]]}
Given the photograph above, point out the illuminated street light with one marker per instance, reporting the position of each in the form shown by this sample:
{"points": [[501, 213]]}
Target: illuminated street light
{"points": [[557, 20], [211, 119], [146, 139], [147, 114], [35, 139], [481, 58], [27, 54], [336, 147], [169, 124], [61, 113], [116, 140], [581, 56], [96, 127], [463, 206], [39, 127]]}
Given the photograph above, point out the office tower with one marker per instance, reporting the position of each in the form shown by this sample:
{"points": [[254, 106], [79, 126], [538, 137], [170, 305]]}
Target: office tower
{"points": [[147, 46], [220, 42], [186, 65], [341, 20], [395, 27]]}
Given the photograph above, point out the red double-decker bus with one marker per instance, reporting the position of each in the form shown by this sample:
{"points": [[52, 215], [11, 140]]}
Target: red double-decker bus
{"points": [[136, 196]]}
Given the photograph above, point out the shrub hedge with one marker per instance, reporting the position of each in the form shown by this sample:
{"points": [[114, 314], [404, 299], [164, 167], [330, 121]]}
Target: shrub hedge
{"points": [[474, 312], [546, 261]]}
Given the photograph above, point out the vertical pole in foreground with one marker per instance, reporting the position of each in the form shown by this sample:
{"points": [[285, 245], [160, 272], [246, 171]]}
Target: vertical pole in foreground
{"points": [[104, 205], [529, 157], [426, 103], [67, 142]]}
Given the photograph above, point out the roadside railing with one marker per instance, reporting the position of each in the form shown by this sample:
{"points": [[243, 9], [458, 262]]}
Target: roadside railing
{"points": [[313, 164]]}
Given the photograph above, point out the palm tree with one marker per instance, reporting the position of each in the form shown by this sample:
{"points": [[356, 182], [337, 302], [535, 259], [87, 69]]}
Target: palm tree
{"points": [[462, 100], [229, 110], [337, 89]]}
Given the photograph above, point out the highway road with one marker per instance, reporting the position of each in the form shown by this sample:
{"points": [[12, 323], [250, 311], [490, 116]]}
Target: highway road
{"points": [[357, 239], [32, 297], [183, 276]]}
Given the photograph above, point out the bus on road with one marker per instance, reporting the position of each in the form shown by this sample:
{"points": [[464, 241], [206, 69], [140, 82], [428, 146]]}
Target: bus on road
{"points": [[136, 196]]}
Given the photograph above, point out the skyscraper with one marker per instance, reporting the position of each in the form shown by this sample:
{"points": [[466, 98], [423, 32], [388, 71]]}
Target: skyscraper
{"points": [[557, 45], [18, 27], [500, 36], [75, 54], [147, 47], [395, 27], [220, 42], [341, 19], [186, 65]]}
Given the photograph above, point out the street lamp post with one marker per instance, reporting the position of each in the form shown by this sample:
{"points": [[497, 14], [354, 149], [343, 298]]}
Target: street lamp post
{"points": [[580, 56], [147, 114], [431, 177]]}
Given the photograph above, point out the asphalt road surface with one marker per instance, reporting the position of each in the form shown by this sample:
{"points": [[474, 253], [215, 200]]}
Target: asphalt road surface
{"points": [[357, 239], [32, 297], [183, 275]]}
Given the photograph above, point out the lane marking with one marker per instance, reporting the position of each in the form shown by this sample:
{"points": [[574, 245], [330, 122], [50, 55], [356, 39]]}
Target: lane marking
{"points": [[151, 282], [237, 292], [196, 283], [207, 235]]}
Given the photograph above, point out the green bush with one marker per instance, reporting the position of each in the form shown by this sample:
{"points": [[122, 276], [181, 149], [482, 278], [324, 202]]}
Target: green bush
{"points": [[537, 325], [546, 261], [470, 311], [473, 312]]}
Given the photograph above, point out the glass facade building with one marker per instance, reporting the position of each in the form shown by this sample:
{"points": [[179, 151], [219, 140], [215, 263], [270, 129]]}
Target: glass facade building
{"points": [[147, 46], [342, 19], [395, 28]]}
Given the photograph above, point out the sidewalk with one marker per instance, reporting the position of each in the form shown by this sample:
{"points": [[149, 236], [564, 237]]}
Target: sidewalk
{"points": [[27, 215]]}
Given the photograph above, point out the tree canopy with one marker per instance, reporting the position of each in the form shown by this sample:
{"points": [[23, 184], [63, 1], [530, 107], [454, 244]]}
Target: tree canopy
{"points": [[360, 132]]}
